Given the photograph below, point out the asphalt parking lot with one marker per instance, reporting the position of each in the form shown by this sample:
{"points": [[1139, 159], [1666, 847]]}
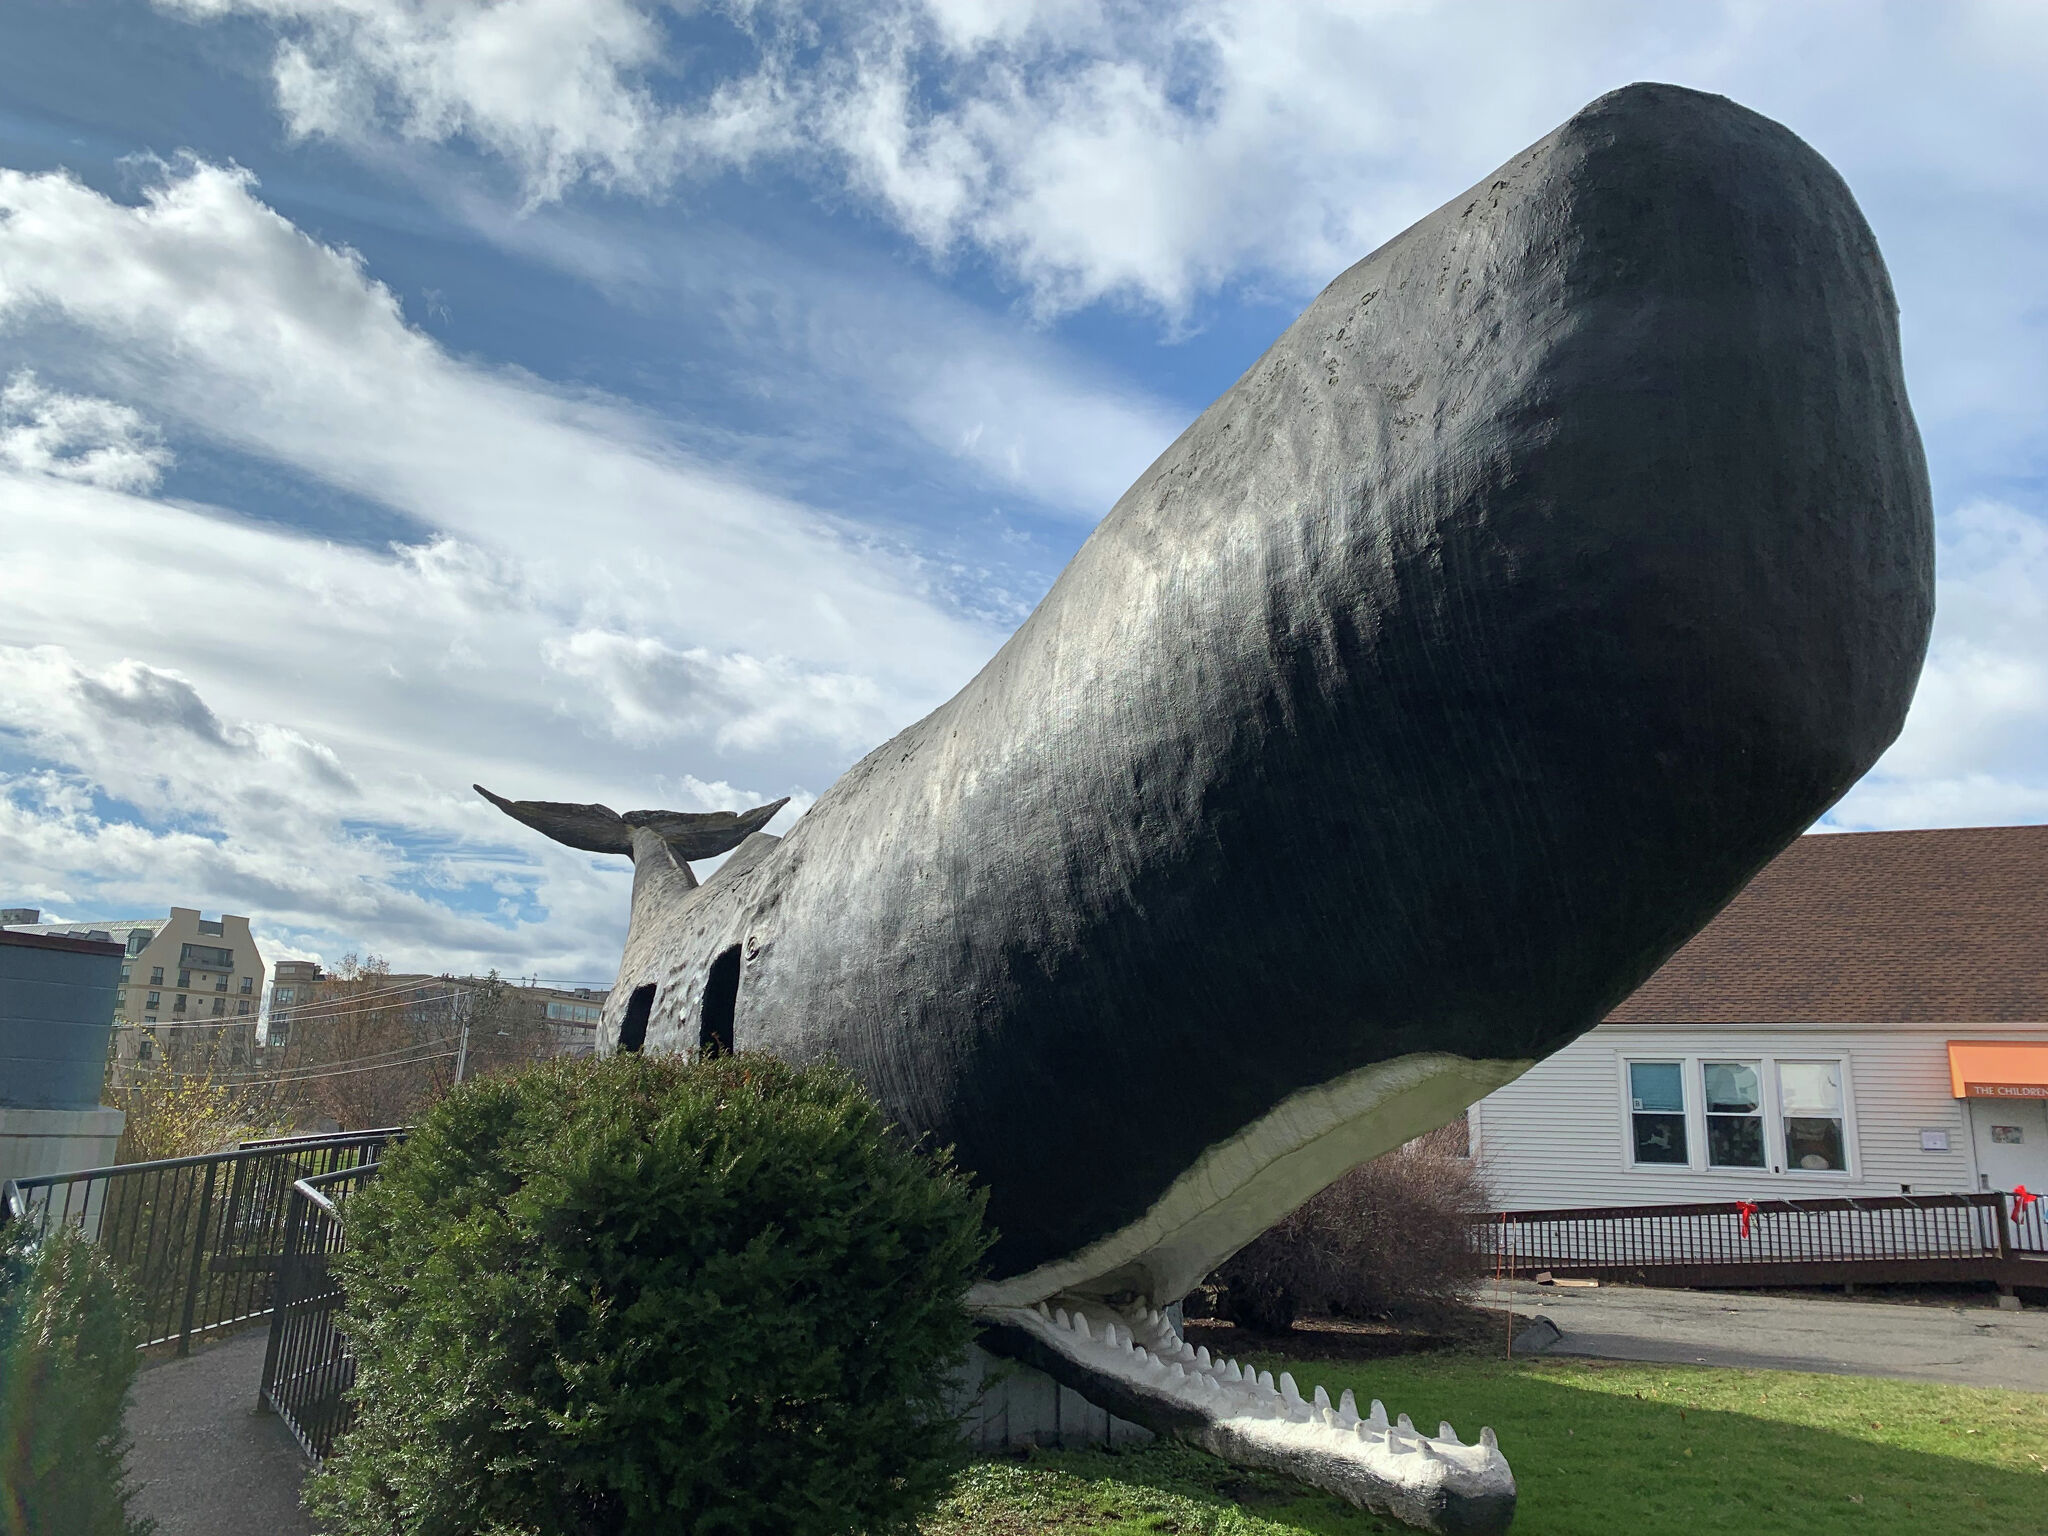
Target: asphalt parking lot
{"points": [[1968, 1345]]}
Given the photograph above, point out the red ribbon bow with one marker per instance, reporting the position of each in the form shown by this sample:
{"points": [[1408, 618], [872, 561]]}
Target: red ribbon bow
{"points": [[2022, 1197], [1745, 1209]]}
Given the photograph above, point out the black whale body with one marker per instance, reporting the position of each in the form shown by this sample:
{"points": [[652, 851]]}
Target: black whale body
{"points": [[1560, 564]]}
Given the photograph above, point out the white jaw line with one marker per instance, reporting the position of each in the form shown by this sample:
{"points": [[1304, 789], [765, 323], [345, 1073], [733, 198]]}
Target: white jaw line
{"points": [[1244, 1412], [1241, 1186]]}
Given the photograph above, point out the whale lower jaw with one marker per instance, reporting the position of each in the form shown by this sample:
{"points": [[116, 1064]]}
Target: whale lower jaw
{"points": [[1240, 1187], [1130, 1361], [1092, 1321]]}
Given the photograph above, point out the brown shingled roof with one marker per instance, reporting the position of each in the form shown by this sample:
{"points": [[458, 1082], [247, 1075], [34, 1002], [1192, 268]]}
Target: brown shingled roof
{"points": [[1948, 926]]}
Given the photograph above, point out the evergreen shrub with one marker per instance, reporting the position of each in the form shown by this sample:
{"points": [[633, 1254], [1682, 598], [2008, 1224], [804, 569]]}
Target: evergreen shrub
{"points": [[653, 1294], [67, 1359]]}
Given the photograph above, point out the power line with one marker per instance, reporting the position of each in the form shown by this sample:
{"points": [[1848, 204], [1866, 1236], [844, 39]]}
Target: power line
{"points": [[266, 1079]]}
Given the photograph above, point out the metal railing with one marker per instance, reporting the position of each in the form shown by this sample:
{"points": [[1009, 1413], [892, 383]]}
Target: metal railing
{"points": [[1890, 1238], [307, 1368], [199, 1238]]}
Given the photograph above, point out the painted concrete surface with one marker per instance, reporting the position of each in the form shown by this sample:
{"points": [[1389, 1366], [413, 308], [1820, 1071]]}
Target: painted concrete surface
{"points": [[205, 1461], [1844, 1336]]}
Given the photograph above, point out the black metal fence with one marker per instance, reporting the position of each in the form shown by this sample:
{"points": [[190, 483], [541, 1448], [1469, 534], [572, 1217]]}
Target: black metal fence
{"points": [[1891, 1238], [201, 1239], [307, 1369]]}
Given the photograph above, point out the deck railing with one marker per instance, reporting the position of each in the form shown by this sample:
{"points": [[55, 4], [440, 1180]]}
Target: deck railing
{"points": [[199, 1238], [307, 1369], [1879, 1239]]}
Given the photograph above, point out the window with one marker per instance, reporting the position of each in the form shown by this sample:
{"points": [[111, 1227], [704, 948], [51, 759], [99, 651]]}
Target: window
{"points": [[1810, 1099], [207, 957], [220, 1006], [283, 995], [248, 985], [138, 940], [156, 975], [1656, 1096], [633, 1027], [221, 984], [178, 1003], [1735, 1113], [242, 1008], [145, 1049], [156, 1000], [124, 975], [184, 978]]}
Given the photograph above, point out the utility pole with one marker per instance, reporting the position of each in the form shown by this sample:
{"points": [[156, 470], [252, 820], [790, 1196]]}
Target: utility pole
{"points": [[462, 1050]]}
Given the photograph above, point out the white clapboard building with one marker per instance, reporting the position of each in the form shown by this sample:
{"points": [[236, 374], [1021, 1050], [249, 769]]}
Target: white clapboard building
{"points": [[1869, 1017]]}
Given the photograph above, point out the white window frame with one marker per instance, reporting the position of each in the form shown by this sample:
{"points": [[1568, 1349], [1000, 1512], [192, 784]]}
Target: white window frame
{"points": [[1686, 1108], [1692, 1062], [1762, 1114]]}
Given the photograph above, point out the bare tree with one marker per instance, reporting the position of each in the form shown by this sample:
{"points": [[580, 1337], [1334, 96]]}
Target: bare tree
{"points": [[371, 1050]]}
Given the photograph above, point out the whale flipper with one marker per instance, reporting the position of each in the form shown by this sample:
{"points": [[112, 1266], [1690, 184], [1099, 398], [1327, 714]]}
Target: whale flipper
{"points": [[600, 829]]}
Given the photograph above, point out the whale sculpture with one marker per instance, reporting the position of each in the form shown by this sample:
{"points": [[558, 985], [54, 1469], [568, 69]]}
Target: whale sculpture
{"points": [[1565, 560]]}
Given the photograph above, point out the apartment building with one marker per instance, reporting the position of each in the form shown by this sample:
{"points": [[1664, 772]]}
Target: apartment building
{"points": [[189, 985]]}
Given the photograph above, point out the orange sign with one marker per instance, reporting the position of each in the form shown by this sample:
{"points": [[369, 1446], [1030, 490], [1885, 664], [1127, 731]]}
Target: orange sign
{"points": [[1998, 1069]]}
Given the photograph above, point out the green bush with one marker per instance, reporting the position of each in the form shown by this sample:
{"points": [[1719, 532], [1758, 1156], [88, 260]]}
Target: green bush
{"points": [[641, 1295], [67, 1358]]}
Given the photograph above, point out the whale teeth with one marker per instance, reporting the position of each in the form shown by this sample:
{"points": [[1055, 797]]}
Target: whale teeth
{"points": [[1445, 1433], [1109, 1335], [1040, 1309], [1322, 1398], [1060, 1317], [1202, 1358], [1488, 1439], [1379, 1414], [1231, 1370], [1081, 1325], [1407, 1424], [1347, 1408], [1266, 1382]]}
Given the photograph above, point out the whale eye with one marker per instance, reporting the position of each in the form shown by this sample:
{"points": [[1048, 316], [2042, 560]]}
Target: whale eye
{"points": [[721, 995]]}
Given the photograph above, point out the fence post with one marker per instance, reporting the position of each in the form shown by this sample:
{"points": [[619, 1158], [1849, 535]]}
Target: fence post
{"points": [[198, 1259], [2004, 1227]]}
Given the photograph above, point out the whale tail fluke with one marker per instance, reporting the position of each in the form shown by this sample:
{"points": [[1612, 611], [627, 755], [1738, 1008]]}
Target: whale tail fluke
{"points": [[600, 829]]}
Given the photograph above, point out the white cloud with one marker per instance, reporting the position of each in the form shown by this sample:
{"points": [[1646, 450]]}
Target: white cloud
{"points": [[219, 712], [555, 86], [235, 325], [1975, 747], [77, 437]]}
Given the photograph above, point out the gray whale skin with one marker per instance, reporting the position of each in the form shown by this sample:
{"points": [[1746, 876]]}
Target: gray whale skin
{"points": [[1566, 559]]}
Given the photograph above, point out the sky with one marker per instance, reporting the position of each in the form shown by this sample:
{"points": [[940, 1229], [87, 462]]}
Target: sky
{"points": [[664, 404]]}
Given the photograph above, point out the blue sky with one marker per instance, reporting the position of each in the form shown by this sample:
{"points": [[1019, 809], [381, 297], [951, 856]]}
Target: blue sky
{"points": [[664, 404]]}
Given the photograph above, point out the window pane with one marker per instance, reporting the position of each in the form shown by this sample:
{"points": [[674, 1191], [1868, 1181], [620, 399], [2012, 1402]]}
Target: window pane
{"points": [[1735, 1141], [1814, 1145], [1732, 1088], [1660, 1138], [1810, 1086], [1656, 1085]]}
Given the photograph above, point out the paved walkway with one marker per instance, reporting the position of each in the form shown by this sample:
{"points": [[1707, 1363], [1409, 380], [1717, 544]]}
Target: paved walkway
{"points": [[206, 1462], [1842, 1336]]}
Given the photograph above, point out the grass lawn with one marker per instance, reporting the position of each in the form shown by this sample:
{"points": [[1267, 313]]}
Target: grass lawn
{"points": [[1597, 1446]]}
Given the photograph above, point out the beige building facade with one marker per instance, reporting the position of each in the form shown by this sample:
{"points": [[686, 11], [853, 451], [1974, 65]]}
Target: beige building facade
{"points": [[190, 990]]}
